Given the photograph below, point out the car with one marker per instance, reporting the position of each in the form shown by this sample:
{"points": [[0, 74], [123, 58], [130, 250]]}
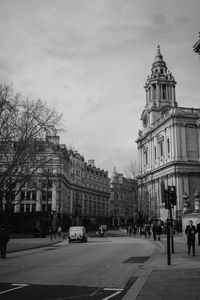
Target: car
{"points": [[77, 233]]}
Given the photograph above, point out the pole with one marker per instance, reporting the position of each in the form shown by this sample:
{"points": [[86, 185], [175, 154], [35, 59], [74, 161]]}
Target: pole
{"points": [[47, 192], [168, 243], [171, 227]]}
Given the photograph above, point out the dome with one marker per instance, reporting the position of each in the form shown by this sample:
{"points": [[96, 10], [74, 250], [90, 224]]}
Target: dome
{"points": [[158, 60], [114, 174]]}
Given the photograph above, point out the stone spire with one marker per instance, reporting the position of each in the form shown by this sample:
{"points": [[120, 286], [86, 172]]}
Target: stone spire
{"points": [[160, 90], [158, 61], [160, 85]]}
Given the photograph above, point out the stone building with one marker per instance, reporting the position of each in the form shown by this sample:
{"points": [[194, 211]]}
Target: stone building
{"points": [[66, 190], [123, 200], [90, 192], [168, 145]]}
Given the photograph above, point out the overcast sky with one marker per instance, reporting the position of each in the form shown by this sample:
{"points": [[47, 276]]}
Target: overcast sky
{"points": [[90, 58]]}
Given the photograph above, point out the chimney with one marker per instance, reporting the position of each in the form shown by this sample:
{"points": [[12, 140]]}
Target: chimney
{"points": [[91, 162]]}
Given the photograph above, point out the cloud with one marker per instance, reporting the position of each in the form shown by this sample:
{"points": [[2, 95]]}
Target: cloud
{"points": [[89, 59]]}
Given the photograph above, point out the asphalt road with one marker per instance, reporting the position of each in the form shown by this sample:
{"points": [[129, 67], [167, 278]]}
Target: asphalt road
{"points": [[103, 268]]}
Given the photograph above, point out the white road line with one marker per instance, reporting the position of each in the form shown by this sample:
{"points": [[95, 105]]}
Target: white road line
{"points": [[18, 286], [116, 292]]}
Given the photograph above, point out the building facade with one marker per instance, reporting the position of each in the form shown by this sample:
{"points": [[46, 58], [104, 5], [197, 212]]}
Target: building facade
{"points": [[168, 145], [65, 191], [123, 200]]}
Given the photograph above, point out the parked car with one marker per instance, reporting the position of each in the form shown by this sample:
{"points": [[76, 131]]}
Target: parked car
{"points": [[77, 233]]}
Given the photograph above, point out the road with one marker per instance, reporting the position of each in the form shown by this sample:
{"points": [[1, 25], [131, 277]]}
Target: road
{"points": [[99, 269]]}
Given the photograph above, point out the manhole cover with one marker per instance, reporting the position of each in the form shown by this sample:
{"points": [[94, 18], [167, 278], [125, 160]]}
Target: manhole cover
{"points": [[136, 260]]}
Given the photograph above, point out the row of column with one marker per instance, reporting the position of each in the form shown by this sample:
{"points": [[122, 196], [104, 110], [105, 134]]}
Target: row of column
{"points": [[158, 92]]}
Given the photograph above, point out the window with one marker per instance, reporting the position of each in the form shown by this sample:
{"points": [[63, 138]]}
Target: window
{"points": [[49, 196], [27, 207], [33, 207], [34, 195], [50, 183], [155, 154], [161, 148], [44, 195], [28, 195], [168, 146], [22, 208], [164, 91], [146, 157], [22, 195]]}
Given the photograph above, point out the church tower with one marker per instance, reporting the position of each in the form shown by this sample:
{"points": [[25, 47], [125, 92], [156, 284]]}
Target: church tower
{"points": [[160, 91], [168, 146]]}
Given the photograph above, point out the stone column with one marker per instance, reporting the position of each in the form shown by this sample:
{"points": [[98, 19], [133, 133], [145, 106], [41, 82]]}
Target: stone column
{"points": [[54, 196], [38, 200], [198, 133]]}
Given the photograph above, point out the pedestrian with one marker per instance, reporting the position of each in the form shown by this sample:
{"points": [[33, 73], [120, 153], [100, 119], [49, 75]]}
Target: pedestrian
{"points": [[4, 238], [101, 231], [134, 230], [148, 229], [59, 231], [198, 230], [159, 231], [154, 231], [130, 229], [190, 231], [51, 232]]}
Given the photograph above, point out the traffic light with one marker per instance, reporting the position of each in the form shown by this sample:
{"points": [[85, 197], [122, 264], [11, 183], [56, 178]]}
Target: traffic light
{"points": [[166, 198], [172, 195]]}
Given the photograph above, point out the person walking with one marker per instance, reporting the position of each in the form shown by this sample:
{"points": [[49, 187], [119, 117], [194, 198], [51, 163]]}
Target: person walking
{"points": [[59, 231], [148, 229], [4, 238], [190, 231], [130, 229], [159, 231], [154, 231]]}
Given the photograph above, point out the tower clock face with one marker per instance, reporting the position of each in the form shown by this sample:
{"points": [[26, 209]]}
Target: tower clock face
{"points": [[145, 121]]}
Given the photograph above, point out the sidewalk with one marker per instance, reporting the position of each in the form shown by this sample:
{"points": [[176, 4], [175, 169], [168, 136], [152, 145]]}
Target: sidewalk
{"points": [[19, 244], [159, 281]]}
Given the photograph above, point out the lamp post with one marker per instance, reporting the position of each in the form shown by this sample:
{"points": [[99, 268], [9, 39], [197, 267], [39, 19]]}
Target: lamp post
{"points": [[47, 194]]}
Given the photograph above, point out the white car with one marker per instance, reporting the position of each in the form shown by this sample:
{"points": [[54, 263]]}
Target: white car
{"points": [[77, 233]]}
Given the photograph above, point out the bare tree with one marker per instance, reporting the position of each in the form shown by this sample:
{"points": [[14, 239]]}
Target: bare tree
{"points": [[24, 124], [131, 171]]}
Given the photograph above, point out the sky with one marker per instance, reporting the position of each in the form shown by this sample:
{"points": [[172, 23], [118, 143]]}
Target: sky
{"points": [[89, 59]]}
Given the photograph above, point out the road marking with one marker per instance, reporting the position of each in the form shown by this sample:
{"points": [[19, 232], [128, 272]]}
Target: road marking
{"points": [[116, 292], [18, 286]]}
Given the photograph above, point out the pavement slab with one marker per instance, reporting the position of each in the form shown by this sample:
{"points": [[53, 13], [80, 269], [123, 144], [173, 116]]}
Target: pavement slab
{"points": [[159, 281]]}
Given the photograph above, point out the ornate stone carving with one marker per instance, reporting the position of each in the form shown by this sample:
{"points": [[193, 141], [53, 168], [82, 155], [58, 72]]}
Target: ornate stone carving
{"points": [[185, 203]]}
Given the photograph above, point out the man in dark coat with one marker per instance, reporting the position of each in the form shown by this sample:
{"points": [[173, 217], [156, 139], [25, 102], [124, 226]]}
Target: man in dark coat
{"points": [[159, 231], [154, 230], [190, 231], [4, 238]]}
